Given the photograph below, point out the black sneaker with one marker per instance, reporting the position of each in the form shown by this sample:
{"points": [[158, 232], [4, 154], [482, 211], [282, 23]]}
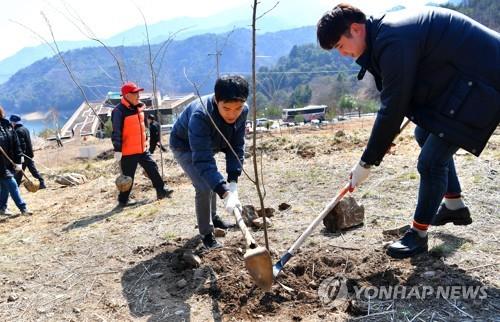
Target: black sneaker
{"points": [[42, 185], [26, 212], [210, 242], [165, 193], [220, 223], [459, 217], [129, 202], [411, 244]]}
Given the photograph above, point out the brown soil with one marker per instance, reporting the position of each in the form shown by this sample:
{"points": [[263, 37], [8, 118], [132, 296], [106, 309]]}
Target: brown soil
{"points": [[81, 259]]}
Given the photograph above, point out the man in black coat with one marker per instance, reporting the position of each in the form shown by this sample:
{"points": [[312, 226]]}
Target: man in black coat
{"points": [[440, 69], [27, 149], [10, 162], [154, 134]]}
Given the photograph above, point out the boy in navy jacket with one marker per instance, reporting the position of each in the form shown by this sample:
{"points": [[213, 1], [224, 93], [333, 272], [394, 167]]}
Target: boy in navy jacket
{"points": [[194, 141]]}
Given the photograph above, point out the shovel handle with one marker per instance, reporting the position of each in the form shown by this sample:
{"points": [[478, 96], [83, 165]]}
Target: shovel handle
{"points": [[8, 158], [318, 219], [250, 242]]}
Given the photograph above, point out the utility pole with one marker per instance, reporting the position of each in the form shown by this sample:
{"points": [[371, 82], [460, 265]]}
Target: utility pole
{"points": [[217, 55]]}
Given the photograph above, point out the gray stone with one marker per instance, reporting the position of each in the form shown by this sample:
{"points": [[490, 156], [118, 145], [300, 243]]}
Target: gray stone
{"points": [[346, 214], [219, 232], [181, 283], [199, 273], [339, 133], [259, 222], [191, 259], [12, 297], [248, 214], [429, 274]]}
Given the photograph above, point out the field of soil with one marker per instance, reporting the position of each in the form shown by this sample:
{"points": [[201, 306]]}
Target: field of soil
{"points": [[80, 258]]}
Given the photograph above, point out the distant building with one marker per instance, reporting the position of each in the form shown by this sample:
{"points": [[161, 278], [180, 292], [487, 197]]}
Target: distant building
{"points": [[84, 121]]}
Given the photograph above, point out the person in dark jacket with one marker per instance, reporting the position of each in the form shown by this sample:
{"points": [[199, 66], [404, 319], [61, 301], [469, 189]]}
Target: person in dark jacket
{"points": [[154, 134], [27, 149], [196, 138], [440, 69], [129, 142], [11, 147]]}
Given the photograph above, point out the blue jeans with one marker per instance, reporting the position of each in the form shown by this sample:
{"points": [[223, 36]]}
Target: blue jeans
{"points": [[205, 199], [9, 185], [437, 174]]}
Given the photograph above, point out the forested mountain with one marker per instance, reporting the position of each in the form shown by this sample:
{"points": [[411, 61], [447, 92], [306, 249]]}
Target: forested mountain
{"points": [[486, 12], [310, 75], [46, 83], [293, 71]]}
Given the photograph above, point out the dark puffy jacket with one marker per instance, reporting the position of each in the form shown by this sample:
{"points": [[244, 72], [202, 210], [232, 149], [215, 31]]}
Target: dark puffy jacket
{"points": [[10, 144], [154, 132], [439, 68], [129, 128], [194, 132], [24, 139]]}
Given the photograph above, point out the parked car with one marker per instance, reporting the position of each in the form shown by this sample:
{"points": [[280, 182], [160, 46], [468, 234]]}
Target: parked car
{"points": [[261, 122]]}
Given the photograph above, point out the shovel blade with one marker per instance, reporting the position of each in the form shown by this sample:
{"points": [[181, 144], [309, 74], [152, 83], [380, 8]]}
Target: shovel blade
{"points": [[259, 266]]}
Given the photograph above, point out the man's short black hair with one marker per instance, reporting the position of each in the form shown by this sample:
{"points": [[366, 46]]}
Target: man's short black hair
{"points": [[337, 22], [151, 116], [231, 88]]}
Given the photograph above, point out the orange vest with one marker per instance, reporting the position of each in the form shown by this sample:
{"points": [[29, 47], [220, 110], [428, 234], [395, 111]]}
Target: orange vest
{"points": [[133, 132]]}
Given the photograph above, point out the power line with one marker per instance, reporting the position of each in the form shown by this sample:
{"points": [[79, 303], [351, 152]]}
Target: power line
{"points": [[299, 72]]}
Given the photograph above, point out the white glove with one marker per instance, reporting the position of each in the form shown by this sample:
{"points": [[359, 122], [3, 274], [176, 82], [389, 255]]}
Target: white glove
{"points": [[18, 167], [231, 201], [118, 156], [357, 176], [22, 160], [233, 187]]}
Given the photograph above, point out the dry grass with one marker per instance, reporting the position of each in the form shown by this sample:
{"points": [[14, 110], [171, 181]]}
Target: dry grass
{"points": [[68, 261]]}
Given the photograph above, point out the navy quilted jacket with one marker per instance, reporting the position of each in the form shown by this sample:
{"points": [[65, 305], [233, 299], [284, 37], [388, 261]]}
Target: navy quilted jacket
{"points": [[437, 67], [193, 131]]}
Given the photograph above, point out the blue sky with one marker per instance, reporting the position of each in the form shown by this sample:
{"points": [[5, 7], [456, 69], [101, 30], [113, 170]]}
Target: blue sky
{"points": [[109, 17]]}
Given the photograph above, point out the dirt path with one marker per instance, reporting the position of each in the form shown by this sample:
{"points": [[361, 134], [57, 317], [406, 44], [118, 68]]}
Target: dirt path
{"points": [[80, 259]]}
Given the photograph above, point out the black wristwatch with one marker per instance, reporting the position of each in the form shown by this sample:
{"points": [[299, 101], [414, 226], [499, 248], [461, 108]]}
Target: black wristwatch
{"points": [[365, 165]]}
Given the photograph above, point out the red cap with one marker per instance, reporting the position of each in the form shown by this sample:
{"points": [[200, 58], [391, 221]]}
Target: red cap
{"points": [[130, 87]]}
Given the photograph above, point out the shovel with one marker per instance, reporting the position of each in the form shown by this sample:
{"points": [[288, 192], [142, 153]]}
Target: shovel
{"points": [[28, 184], [257, 258], [292, 250]]}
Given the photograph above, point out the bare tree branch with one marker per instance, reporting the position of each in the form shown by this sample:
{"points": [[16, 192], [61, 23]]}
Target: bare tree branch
{"points": [[254, 134], [265, 13], [89, 34], [55, 49]]}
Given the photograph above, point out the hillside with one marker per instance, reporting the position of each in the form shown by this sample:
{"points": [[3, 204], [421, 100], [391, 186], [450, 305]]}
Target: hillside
{"points": [[282, 17], [81, 259]]}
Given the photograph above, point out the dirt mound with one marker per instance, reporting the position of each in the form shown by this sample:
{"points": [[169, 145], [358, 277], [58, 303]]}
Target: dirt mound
{"points": [[297, 293]]}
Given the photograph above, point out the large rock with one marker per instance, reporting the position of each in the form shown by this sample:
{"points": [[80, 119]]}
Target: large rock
{"points": [[253, 217], [346, 214], [71, 179], [259, 222]]}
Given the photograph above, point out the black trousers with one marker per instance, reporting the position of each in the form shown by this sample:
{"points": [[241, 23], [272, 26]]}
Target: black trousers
{"points": [[153, 144], [129, 163], [30, 164]]}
